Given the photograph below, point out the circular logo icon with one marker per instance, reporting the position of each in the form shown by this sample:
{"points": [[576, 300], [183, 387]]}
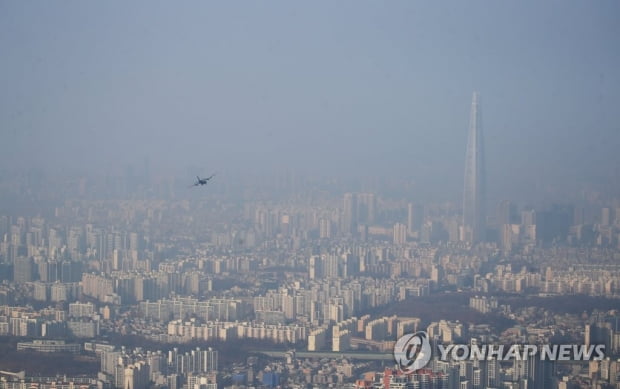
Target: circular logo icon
{"points": [[412, 351]]}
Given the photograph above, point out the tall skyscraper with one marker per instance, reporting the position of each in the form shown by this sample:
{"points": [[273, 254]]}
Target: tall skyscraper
{"points": [[506, 213], [415, 217], [474, 196], [400, 233], [366, 208], [349, 215]]}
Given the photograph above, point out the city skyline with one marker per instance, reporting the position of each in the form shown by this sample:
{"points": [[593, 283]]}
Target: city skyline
{"points": [[357, 199]]}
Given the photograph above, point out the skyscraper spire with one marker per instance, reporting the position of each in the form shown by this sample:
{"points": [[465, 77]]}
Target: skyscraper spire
{"points": [[474, 194]]}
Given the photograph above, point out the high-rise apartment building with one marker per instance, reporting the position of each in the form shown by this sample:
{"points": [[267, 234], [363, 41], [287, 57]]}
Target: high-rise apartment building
{"points": [[415, 217], [349, 215]]}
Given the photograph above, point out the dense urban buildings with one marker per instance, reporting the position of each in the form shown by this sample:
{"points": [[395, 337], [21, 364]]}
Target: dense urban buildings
{"points": [[337, 238]]}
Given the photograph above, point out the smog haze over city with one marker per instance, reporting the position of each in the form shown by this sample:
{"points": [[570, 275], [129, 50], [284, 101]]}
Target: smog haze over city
{"points": [[230, 194], [331, 89]]}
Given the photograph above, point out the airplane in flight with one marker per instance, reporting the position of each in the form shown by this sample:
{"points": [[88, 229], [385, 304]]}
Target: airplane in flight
{"points": [[202, 181]]}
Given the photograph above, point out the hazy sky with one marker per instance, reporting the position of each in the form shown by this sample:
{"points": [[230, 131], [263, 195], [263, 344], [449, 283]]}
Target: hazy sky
{"points": [[327, 86]]}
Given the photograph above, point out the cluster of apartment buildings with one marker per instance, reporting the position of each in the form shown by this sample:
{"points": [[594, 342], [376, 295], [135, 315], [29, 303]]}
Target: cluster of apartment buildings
{"points": [[207, 310], [596, 282], [137, 369], [81, 322], [377, 334], [185, 331]]}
